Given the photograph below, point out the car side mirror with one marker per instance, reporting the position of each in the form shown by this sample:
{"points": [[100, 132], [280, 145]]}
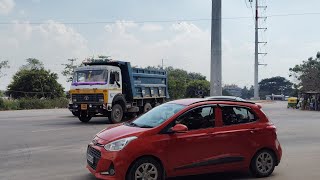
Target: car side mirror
{"points": [[179, 128]]}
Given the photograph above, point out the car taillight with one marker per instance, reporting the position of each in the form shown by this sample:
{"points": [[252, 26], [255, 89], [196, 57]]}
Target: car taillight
{"points": [[272, 127], [259, 105]]}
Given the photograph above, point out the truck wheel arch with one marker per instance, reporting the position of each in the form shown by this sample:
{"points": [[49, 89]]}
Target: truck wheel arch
{"points": [[119, 99]]}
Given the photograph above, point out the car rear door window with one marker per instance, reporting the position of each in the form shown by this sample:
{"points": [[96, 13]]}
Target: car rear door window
{"points": [[232, 115]]}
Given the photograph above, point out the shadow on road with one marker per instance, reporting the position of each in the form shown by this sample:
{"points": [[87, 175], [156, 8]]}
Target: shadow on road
{"points": [[218, 176], [221, 176]]}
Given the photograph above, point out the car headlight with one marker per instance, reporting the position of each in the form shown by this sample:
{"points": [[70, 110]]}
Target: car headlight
{"points": [[119, 144]]}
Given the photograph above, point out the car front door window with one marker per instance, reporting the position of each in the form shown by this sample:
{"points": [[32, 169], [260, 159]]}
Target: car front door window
{"points": [[198, 118]]}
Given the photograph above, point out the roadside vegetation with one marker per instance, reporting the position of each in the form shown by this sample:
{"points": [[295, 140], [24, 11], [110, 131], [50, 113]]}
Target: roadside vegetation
{"points": [[34, 87], [33, 103]]}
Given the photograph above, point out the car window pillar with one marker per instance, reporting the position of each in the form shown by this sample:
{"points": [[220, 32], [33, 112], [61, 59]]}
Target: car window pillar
{"points": [[218, 114]]}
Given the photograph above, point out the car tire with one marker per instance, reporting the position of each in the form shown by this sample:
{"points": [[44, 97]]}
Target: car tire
{"points": [[154, 169], [147, 107], [84, 119], [263, 163], [116, 114]]}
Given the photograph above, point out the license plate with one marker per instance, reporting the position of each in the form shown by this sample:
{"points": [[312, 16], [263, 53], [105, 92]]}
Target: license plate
{"points": [[84, 106], [90, 158]]}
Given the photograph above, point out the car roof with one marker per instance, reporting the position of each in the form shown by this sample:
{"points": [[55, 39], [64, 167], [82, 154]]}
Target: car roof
{"points": [[235, 98], [191, 101], [187, 102]]}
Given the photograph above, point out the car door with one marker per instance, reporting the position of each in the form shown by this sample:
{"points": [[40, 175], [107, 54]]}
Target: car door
{"points": [[237, 133], [194, 151]]}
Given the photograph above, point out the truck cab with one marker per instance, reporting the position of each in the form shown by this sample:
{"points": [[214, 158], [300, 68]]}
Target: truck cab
{"points": [[114, 89]]}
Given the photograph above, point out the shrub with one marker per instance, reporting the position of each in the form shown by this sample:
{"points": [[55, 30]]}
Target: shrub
{"points": [[9, 104], [33, 103]]}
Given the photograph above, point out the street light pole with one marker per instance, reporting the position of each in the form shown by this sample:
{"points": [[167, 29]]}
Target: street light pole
{"points": [[216, 65]]}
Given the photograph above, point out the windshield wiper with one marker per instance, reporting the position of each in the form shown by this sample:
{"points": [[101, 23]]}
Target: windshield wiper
{"points": [[131, 124], [145, 126]]}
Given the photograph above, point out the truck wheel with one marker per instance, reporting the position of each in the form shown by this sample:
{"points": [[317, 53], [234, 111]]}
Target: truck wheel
{"points": [[157, 104], [147, 107], [116, 113], [84, 119]]}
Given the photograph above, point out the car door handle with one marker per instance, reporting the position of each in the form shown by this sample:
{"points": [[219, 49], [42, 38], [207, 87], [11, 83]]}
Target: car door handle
{"points": [[254, 130]]}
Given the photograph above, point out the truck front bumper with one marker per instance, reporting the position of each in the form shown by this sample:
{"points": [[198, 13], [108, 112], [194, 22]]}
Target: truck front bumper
{"points": [[93, 108]]}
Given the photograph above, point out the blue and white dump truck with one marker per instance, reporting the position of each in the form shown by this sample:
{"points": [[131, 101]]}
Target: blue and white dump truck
{"points": [[114, 89]]}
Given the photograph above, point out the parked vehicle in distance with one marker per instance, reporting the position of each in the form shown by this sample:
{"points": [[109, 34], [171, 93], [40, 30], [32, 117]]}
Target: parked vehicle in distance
{"points": [[114, 89], [187, 137]]}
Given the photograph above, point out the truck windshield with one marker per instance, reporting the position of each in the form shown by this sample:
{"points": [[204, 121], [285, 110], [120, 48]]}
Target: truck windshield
{"points": [[156, 116], [90, 76]]}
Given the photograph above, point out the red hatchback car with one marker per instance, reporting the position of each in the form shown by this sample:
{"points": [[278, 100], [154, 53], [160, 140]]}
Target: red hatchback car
{"points": [[187, 137]]}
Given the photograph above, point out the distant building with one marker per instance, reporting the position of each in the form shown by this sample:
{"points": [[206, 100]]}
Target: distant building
{"points": [[233, 89]]}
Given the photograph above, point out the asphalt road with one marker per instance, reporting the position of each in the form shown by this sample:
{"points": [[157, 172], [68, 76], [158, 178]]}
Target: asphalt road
{"points": [[51, 144]]}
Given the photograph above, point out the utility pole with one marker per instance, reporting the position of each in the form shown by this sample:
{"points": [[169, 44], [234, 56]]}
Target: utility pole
{"points": [[216, 66], [162, 63], [257, 53], [256, 58]]}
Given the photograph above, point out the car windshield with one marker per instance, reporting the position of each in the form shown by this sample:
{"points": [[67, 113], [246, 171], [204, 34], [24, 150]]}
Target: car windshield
{"points": [[156, 116], [85, 76]]}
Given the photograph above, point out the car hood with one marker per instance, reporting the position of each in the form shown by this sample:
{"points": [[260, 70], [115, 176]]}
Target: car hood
{"points": [[118, 132]]}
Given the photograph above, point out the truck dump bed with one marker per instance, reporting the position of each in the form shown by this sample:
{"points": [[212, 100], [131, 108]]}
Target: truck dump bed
{"points": [[139, 83]]}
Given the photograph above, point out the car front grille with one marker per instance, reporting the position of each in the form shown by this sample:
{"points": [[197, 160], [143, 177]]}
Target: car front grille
{"points": [[87, 97], [96, 157]]}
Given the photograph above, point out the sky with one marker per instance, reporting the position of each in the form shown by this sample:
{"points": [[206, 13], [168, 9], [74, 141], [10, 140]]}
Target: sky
{"points": [[146, 31]]}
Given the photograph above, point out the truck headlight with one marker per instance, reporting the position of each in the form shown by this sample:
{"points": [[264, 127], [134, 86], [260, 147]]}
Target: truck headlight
{"points": [[100, 100], [119, 144], [74, 100]]}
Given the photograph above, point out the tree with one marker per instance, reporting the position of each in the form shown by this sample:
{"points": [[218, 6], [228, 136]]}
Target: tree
{"points": [[245, 93], [275, 85], [3, 64], [198, 88], [308, 74], [69, 69], [32, 80], [32, 64], [195, 76], [177, 82], [225, 92]]}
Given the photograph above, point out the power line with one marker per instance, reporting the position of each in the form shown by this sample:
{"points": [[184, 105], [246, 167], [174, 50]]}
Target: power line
{"points": [[158, 21]]}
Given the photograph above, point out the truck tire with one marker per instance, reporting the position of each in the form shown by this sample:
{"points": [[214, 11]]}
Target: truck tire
{"points": [[84, 119], [157, 104], [116, 114], [147, 107]]}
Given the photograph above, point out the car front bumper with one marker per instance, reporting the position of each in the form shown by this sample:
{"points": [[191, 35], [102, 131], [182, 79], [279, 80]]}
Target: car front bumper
{"points": [[108, 161]]}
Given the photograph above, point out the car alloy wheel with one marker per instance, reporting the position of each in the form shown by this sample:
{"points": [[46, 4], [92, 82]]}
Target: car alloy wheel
{"points": [[146, 171], [264, 163]]}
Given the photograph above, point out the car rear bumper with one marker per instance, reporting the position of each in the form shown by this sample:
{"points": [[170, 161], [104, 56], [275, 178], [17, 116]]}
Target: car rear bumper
{"points": [[278, 151]]}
